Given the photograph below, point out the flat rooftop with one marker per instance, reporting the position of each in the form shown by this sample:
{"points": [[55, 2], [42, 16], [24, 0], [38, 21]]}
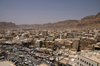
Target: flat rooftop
{"points": [[91, 56]]}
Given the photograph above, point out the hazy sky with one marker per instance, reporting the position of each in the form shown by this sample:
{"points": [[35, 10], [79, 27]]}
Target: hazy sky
{"points": [[46, 11]]}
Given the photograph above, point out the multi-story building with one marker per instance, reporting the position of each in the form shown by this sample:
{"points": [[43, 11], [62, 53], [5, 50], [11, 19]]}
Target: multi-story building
{"points": [[97, 33], [44, 33], [88, 59], [76, 43], [70, 35]]}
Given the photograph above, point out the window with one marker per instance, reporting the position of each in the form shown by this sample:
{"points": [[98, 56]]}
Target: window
{"points": [[81, 65], [78, 58], [87, 62], [83, 60]]}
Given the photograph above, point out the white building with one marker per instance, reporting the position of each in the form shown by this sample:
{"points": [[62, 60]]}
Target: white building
{"points": [[88, 59], [37, 43], [97, 33]]}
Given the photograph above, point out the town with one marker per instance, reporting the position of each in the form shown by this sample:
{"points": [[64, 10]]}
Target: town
{"points": [[49, 32], [30, 47]]}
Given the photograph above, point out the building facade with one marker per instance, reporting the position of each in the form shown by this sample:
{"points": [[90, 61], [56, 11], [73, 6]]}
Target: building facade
{"points": [[86, 59]]}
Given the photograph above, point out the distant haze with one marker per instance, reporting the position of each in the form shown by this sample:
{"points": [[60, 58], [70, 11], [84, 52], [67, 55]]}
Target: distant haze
{"points": [[46, 11]]}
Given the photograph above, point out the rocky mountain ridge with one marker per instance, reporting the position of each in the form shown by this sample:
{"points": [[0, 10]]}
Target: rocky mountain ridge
{"points": [[92, 21], [7, 25]]}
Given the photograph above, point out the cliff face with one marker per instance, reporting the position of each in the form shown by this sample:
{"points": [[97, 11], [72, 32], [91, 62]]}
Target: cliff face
{"points": [[92, 21], [62, 24], [57, 25]]}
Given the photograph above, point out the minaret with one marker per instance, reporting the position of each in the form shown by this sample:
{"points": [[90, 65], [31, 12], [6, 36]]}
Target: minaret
{"points": [[60, 35]]}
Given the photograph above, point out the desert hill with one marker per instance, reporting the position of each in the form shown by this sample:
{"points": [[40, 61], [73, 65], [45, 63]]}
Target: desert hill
{"points": [[92, 21], [7, 25]]}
